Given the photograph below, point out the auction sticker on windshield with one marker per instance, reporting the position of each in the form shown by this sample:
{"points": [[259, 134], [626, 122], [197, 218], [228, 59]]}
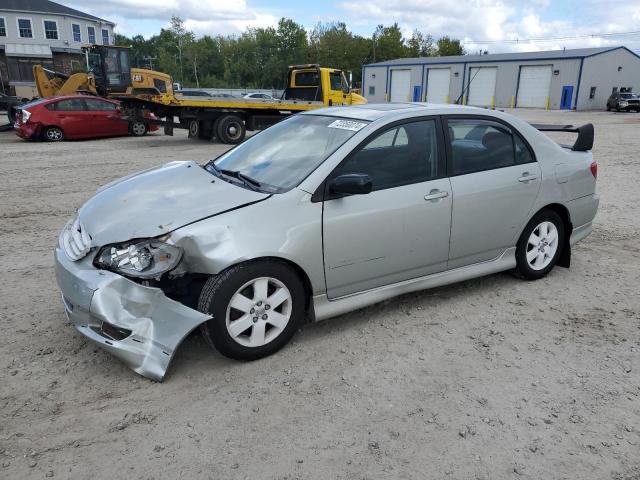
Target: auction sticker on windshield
{"points": [[347, 125]]}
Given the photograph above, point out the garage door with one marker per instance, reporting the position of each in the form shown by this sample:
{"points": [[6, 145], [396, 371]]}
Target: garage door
{"points": [[438, 80], [482, 86], [400, 85], [533, 89]]}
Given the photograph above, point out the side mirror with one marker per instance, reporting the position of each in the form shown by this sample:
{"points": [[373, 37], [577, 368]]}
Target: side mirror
{"points": [[351, 184]]}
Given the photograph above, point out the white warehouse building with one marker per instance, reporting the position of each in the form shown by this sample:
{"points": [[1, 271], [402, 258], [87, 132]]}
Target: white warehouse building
{"points": [[581, 79]]}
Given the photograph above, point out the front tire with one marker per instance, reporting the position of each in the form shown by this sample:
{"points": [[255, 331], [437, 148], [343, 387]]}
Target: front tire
{"points": [[138, 129], [255, 308], [53, 134], [540, 245]]}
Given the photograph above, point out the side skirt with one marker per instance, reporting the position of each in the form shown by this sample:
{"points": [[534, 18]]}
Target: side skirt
{"points": [[325, 308]]}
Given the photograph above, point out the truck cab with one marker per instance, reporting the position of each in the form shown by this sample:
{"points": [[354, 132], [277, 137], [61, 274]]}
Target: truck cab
{"points": [[312, 83]]}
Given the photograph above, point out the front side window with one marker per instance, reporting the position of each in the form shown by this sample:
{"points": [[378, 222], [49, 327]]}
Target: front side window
{"points": [[95, 105], [50, 30], [24, 28], [478, 145], [3, 27], [91, 33], [105, 36], [400, 155], [77, 36], [69, 105], [283, 155], [336, 80]]}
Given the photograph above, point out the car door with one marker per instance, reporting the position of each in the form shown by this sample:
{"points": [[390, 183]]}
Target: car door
{"points": [[105, 118], [495, 181], [401, 229], [339, 91], [71, 115]]}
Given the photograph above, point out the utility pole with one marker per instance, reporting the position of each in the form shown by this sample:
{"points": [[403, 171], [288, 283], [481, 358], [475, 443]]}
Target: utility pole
{"points": [[150, 61]]}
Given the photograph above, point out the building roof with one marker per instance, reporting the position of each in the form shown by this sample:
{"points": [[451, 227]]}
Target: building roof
{"points": [[501, 57], [46, 6]]}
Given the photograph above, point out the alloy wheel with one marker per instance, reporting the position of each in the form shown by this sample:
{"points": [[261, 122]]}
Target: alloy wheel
{"points": [[54, 134], [542, 245], [138, 129], [258, 312]]}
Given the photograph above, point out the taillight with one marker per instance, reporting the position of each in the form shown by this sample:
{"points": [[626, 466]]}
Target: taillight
{"points": [[594, 169]]}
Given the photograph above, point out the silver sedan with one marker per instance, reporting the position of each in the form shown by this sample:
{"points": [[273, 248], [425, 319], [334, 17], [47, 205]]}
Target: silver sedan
{"points": [[321, 214]]}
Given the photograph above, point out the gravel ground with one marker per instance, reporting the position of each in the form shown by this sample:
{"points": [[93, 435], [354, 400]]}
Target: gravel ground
{"points": [[495, 378]]}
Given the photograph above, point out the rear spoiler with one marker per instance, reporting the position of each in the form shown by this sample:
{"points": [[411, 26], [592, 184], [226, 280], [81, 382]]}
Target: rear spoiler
{"points": [[584, 142]]}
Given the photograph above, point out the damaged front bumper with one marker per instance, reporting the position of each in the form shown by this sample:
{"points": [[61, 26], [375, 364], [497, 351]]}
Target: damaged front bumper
{"points": [[137, 324]]}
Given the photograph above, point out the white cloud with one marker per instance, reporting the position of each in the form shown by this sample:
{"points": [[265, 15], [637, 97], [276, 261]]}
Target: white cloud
{"points": [[499, 20], [202, 16]]}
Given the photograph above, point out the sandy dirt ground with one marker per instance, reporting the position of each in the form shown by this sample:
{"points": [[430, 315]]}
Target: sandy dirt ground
{"points": [[495, 378]]}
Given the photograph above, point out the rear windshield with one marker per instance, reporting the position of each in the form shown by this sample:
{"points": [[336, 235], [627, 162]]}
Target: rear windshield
{"points": [[34, 103]]}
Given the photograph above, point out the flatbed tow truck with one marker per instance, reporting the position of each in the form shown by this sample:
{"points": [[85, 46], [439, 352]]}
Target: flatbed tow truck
{"points": [[227, 119], [108, 74]]}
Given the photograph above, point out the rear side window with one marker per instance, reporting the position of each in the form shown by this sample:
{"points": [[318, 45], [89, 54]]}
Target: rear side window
{"points": [[523, 154], [68, 105], [401, 155], [478, 145]]}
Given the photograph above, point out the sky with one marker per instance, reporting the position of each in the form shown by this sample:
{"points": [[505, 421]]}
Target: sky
{"points": [[480, 24]]}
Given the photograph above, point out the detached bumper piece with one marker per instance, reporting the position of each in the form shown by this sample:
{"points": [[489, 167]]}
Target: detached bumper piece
{"points": [[137, 324]]}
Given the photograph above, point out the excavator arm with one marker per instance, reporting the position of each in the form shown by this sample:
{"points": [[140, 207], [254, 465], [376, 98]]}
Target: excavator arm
{"points": [[51, 84]]}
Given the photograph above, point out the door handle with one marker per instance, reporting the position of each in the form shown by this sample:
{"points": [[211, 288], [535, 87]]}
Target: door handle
{"points": [[436, 195], [527, 177]]}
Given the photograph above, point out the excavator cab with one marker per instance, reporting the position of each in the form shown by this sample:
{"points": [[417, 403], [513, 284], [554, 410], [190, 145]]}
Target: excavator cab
{"points": [[111, 68]]}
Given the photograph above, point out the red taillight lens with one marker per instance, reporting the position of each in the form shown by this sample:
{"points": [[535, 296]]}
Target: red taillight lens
{"points": [[594, 169]]}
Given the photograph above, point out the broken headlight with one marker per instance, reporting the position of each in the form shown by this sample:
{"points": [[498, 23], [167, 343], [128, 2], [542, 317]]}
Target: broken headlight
{"points": [[140, 258]]}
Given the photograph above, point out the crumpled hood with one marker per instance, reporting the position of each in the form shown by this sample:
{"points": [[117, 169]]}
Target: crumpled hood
{"points": [[157, 201]]}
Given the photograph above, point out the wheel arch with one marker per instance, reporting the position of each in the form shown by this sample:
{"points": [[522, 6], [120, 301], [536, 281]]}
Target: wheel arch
{"points": [[306, 282], [300, 272]]}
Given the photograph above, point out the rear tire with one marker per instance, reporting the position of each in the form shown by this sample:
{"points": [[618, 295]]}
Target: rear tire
{"points": [[194, 128], [11, 113], [540, 245], [255, 306], [53, 134], [231, 129], [138, 129]]}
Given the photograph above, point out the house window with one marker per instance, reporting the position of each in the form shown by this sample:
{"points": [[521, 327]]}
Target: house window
{"points": [[372, 90], [91, 33], [77, 36], [24, 28], [21, 69], [3, 27], [592, 92], [105, 36], [50, 30]]}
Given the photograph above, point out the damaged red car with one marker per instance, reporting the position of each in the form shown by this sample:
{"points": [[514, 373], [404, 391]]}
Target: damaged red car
{"points": [[76, 117]]}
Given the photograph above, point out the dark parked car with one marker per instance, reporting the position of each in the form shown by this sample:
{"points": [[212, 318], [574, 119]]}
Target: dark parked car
{"points": [[74, 117], [7, 102], [623, 101]]}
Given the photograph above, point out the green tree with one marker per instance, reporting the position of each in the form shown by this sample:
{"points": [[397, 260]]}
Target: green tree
{"points": [[388, 43], [449, 46], [421, 45]]}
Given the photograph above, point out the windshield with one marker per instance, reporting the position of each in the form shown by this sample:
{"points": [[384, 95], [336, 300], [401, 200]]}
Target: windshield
{"points": [[285, 154], [34, 103]]}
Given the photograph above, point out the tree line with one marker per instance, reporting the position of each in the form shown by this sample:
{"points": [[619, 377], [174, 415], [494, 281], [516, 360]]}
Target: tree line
{"points": [[259, 57]]}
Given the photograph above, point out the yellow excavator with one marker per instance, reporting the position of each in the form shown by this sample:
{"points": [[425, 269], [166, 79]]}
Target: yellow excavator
{"points": [[108, 74]]}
